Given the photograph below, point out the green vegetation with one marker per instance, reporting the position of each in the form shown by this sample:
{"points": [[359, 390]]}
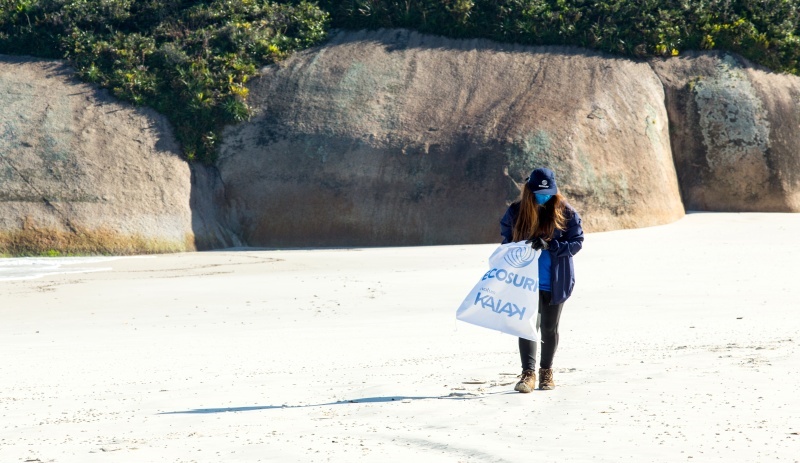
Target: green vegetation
{"points": [[191, 60], [764, 31]]}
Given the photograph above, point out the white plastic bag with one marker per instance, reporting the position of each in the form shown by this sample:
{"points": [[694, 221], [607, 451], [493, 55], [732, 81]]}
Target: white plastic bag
{"points": [[506, 298]]}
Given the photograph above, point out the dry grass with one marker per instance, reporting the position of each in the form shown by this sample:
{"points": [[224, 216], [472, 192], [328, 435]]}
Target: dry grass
{"points": [[32, 240]]}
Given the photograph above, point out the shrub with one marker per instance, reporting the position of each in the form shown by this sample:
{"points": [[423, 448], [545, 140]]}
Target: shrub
{"points": [[187, 59], [191, 59], [764, 31]]}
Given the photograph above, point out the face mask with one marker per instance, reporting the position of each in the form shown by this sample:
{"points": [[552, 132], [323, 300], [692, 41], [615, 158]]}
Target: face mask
{"points": [[541, 199]]}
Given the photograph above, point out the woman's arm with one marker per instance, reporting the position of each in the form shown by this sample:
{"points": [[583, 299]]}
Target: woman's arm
{"points": [[507, 226], [571, 240]]}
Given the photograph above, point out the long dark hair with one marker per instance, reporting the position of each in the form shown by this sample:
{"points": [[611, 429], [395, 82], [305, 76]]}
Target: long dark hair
{"points": [[539, 221]]}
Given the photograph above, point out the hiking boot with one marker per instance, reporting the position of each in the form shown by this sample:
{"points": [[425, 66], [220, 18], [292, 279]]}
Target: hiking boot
{"points": [[546, 382], [527, 381]]}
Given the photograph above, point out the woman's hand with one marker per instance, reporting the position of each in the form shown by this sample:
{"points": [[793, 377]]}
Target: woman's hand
{"points": [[538, 244]]}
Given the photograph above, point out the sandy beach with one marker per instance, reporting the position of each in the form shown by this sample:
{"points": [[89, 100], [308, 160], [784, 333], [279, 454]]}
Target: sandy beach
{"points": [[681, 343]]}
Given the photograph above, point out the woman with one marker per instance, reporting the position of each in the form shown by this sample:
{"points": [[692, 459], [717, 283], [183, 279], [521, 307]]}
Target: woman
{"points": [[543, 218]]}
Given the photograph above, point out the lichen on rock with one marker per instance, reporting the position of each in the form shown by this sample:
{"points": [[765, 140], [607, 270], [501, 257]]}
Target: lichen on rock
{"points": [[733, 121], [735, 131]]}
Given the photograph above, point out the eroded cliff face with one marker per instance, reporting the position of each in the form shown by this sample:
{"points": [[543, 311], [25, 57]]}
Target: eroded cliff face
{"points": [[396, 138], [81, 172], [392, 137], [735, 133]]}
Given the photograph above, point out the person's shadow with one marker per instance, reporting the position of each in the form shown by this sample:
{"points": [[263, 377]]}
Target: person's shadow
{"points": [[363, 400]]}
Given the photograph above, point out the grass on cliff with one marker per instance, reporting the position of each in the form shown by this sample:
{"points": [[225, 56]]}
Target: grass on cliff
{"points": [[191, 60]]}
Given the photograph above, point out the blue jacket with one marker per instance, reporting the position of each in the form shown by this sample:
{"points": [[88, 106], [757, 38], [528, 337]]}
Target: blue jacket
{"points": [[563, 246]]}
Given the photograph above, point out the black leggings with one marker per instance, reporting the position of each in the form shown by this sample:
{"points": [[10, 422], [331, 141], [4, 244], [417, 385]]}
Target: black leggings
{"points": [[547, 322]]}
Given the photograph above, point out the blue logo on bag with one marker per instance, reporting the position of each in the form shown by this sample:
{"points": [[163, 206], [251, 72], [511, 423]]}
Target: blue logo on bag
{"points": [[511, 278], [520, 257], [499, 307]]}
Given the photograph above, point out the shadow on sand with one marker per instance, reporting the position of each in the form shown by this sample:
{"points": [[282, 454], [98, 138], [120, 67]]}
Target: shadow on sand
{"points": [[364, 400]]}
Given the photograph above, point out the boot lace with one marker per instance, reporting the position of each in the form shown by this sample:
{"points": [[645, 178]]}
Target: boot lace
{"points": [[526, 374]]}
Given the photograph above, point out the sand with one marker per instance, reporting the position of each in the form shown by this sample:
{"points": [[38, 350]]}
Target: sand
{"points": [[680, 343]]}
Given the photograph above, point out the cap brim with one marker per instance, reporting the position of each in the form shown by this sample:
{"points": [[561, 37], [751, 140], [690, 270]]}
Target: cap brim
{"points": [[545, 191]]}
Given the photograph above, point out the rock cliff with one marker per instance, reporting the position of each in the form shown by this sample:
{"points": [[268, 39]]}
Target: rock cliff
{"points": [[395, 138], [735, 133], [81, 172]]}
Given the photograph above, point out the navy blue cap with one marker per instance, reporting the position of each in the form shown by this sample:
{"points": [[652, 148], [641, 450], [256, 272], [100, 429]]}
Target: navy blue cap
{"points": [[542, 181]]}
